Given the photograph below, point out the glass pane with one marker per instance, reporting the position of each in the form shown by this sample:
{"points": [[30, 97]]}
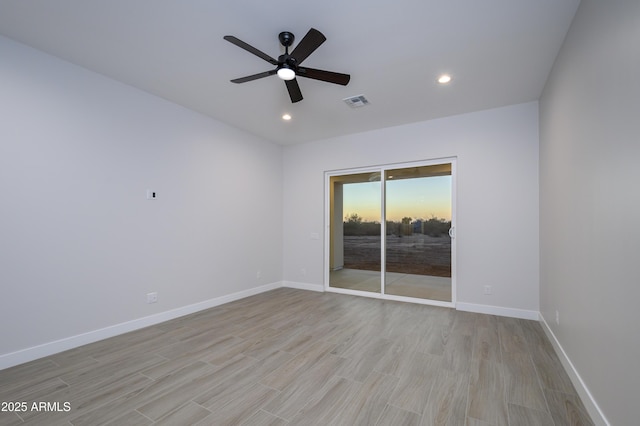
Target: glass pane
{"points": [[355, 232], [418, 218]]}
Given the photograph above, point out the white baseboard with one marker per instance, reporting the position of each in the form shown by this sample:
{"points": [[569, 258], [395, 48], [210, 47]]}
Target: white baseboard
{"points": [[46, 349], [587, 399], [303, 286], [497, 310]]}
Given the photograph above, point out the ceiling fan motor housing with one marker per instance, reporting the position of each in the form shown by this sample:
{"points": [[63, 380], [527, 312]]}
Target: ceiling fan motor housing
{"points": [[286, 38]]}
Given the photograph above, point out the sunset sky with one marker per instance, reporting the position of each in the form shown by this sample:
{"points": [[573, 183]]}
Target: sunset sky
{"points": [[418, 198]]}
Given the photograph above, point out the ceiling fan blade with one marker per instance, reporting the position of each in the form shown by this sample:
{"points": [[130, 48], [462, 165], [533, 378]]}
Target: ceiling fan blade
{"points": [[310, 42], [250, 49], [253, 77], [294, 90], [328, 76]]}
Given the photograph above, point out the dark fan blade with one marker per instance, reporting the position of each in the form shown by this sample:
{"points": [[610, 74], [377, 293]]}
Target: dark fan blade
{"points": [[294, 90], [310, 42], [328, 76], [250, 49], [253, 77]]}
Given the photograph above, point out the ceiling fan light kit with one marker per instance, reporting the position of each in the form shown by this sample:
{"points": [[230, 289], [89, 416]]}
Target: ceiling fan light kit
{"points": [[286, 73], [288, 65]]}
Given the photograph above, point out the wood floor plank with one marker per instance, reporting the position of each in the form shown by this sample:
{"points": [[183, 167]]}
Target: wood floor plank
{"points": [[396, 358], [222, 393], [361, 337], [360, 366], [394, 416], [35, 391], [511, 336], [458, 353], [238, 410], [288, 372], [487, 393], [260, 418], [276, 342], [322, 406], [177, 396], [433, 339], [22, 378], [366, 404], [223, 354], [523, 386], [10, 419], [567, 409], [414, 385], [141, 396], [447, 402], [196, 345], [226, 377], [131, 418], [120, 367], [129, 343], [536, 337], [306, 386], [519, 415], [475, 422], [550, 371], [187, 414], [486, 344], [86, 398], [300, 342], [464, 323]]}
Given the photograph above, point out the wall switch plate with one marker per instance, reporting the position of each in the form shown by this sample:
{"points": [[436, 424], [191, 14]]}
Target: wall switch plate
{"points": [[488, 289], [151, 194], [152, 297]]}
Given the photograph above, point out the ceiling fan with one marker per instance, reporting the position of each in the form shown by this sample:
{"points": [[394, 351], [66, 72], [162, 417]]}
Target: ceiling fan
{"points": [[288, 65]]}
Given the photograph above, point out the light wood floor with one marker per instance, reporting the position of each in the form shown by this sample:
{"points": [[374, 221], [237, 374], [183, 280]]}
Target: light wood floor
{"points": [[293, 357]]}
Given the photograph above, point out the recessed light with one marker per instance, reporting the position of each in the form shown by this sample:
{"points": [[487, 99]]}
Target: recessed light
{"points": [[444, 79], [286, 117]]}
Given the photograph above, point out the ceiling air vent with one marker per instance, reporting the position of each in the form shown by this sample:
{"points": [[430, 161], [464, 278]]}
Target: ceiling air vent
{"points": [[356, 101]]}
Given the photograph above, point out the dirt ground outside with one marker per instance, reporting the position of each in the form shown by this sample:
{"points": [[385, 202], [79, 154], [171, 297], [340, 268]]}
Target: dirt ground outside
{"points": [[413, 254]]}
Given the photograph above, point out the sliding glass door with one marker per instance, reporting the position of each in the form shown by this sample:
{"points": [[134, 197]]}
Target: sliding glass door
{"points": [[355, 256], [390, 232], [417, 244]]}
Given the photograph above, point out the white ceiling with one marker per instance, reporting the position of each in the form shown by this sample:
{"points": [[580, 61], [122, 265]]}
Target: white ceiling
{"points": [[499, 52]]}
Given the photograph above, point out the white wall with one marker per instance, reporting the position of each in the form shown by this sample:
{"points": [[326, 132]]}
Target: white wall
{"points": [[590, 202], [80, 246], [497, 217]]}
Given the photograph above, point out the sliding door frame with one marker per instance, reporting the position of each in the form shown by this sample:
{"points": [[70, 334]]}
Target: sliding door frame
{"points": [[382, 170]]}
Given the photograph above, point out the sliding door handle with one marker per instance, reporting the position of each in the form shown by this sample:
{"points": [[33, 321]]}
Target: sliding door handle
{"points": [[452, 232]]}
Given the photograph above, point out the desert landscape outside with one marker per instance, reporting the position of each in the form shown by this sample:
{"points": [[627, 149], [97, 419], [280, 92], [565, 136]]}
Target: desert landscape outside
{"points": [[425, 252]]}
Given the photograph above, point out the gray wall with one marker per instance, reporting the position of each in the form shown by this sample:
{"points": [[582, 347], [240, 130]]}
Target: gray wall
{"points": [[497, 200], [80, 246], [590, 202]]}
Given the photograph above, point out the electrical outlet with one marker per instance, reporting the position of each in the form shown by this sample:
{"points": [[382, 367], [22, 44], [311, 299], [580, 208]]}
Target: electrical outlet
{"points": [[258, 275], [151, 194], [152, 297], [557, 317], [303, 271], [488, 289]]}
